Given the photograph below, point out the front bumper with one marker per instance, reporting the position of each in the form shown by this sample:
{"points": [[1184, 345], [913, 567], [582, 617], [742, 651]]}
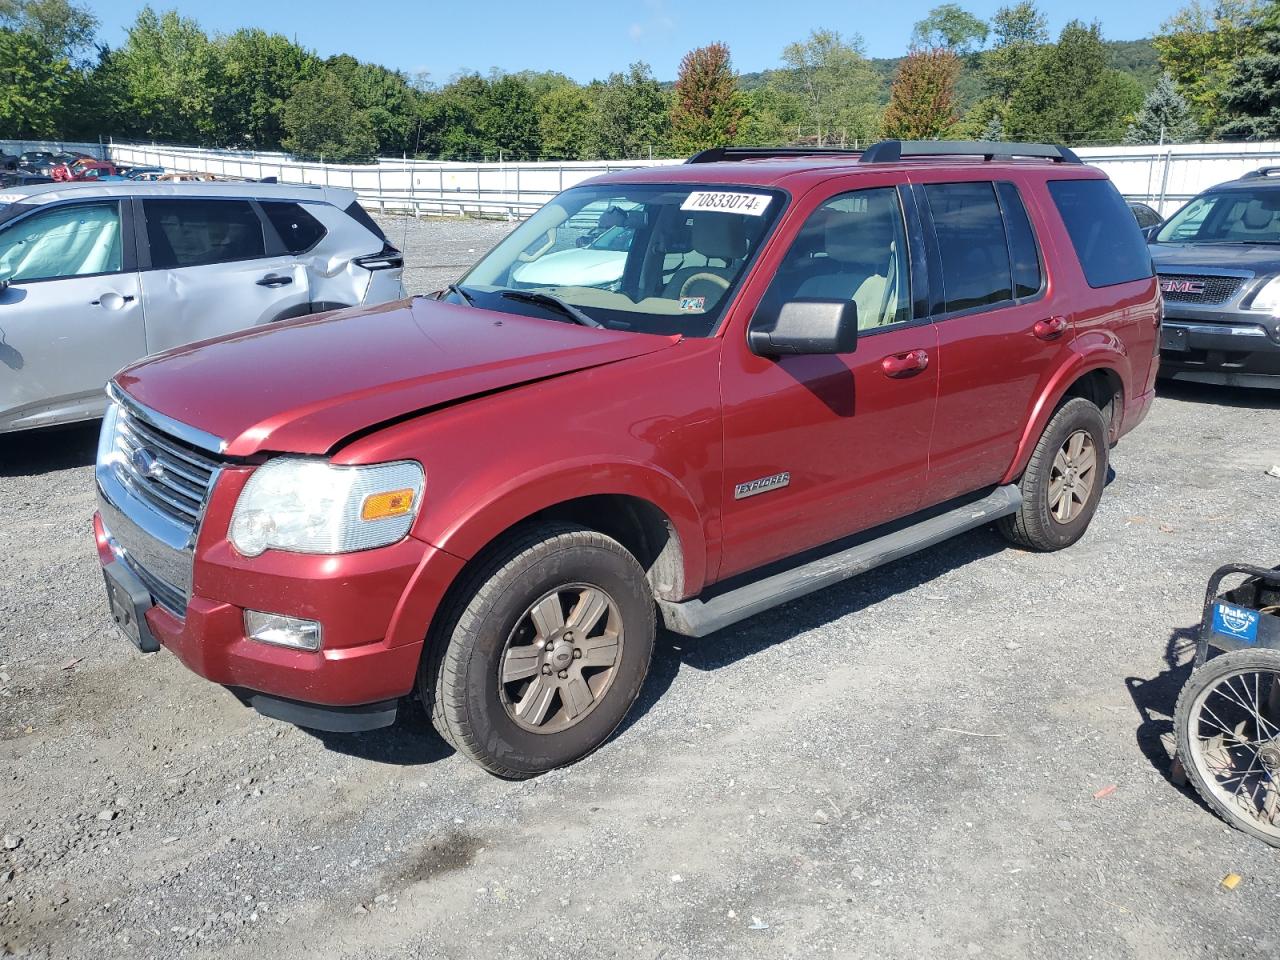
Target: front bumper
{"points": [[374, 607], [1235, 350]]}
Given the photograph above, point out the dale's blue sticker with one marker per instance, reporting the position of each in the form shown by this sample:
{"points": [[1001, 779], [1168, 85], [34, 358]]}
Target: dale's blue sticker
{"points": [[1238, 622]]}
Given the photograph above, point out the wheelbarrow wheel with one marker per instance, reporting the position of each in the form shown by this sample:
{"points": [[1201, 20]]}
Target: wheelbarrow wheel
{"points": [[1227, 724]]}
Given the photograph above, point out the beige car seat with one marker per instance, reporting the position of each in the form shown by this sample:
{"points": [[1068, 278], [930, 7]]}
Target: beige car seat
{"points": [[718, 237]]}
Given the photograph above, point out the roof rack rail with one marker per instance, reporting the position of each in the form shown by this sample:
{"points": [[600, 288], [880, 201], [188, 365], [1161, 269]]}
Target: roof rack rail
{"points": [[891, 151], [718, 154], [1261, 173]]}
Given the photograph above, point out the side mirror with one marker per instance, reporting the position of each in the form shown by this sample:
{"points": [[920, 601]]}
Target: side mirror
{"points": [[804, 327], [1151, 231]]}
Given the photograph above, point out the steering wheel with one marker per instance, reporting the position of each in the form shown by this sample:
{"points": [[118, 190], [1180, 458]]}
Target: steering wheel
{"points": [[551, 242], [720, 281]]}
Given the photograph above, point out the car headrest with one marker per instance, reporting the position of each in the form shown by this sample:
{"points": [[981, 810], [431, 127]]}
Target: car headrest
{"points": [[720, 236], [1256, 216]]}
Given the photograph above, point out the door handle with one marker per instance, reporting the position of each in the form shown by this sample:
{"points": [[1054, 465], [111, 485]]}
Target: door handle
{"points": [[1050, 329], [272, 280], [126, 298], [905, 364]]}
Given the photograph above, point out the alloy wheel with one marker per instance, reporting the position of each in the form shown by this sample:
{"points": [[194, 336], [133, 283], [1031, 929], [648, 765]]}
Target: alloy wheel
{"points": [[1073, 476]]}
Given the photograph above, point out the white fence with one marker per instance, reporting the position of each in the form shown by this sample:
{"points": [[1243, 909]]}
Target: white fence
{"points": [[15, 147], [1168, 176], [1164, 177], [421, 186]]}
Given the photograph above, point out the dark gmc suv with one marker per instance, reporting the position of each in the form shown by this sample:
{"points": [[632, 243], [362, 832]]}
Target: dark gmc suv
{"points": [[800, 366], [1219, 264]]}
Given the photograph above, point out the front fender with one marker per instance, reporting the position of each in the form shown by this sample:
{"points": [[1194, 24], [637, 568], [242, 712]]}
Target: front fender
{"points": [[464, 529], [1097, 349]]}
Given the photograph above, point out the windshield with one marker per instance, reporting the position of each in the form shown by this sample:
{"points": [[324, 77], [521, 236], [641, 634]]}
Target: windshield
{"points": [[1228, 216], [646, 257]]}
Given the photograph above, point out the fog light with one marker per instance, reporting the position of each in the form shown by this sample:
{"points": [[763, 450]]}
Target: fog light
{"points": [[282, 631]]}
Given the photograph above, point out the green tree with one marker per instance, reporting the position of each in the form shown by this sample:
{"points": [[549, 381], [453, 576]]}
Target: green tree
{"points": [[836, 84], [169, 75], [707, 108], [62, 26], [1200, 47], [770, 117], [321, 122], [1165, 116], [1252, 103], [1020, 31], [1071, 95], [922, 103], [34, 80], [631, 118], [258, 73], [383, 97], [952, 28], [564, 122], [507, 119]]}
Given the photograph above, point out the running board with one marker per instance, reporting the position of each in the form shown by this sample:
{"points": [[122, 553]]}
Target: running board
{"points": [[697, 618]]}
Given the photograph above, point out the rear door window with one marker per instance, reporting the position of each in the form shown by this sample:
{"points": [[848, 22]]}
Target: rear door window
{"points": [[194, 233], [1024, 253], [299, 230], [1106, 238], [971, 242]]}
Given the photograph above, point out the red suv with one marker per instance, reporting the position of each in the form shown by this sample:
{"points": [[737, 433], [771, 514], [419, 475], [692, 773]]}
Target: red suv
{"points": [[790, 367]]}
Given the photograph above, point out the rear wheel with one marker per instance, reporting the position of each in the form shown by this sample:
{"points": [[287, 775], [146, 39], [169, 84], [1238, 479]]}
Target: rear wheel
{"points": [[1063, 481], [543, 651], [1227, 725]]}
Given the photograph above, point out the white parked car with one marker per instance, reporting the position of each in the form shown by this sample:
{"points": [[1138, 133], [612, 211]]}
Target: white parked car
{"points": [[96, 276]]}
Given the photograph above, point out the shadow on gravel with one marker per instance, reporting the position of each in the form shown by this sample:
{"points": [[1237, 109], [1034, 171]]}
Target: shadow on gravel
{"points": [[411, 741], [800, 616], [33, 452], [1156, 698], [1244, 398]]}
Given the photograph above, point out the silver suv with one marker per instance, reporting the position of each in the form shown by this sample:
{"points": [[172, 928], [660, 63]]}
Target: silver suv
{"points": [[95, 276]]}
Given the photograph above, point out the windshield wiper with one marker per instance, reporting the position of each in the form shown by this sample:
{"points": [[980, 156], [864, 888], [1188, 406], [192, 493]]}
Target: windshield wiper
{"points": [[465, 297], [550, 300]]}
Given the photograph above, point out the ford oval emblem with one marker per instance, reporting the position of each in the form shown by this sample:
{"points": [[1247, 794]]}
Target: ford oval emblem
{"points": [[146, 464]]}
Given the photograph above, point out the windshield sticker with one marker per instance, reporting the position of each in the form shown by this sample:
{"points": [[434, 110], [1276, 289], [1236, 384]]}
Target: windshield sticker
{"points": [[751, 204], [691, 304]]}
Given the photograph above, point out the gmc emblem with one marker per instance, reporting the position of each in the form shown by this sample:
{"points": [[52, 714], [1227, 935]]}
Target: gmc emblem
{"points": [[1182, 286]]}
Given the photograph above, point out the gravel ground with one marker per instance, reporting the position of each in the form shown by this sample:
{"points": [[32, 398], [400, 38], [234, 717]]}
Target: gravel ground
{"points": [[911, 773]]}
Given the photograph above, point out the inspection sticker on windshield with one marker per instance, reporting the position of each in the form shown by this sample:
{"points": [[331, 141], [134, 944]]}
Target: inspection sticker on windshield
{"points": [[1238, 622], [707, 201], [693, 304]]}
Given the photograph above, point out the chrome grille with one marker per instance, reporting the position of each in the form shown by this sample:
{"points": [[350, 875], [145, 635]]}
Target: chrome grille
{"points": [[171, 476], [1198, 288]]}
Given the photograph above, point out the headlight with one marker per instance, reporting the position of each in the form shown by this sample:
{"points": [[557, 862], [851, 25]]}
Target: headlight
{"points": [[1267, 299], [312, 506]]}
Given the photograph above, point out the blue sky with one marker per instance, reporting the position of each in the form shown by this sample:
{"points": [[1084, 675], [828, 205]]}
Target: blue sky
{"points": [[591, 38]]}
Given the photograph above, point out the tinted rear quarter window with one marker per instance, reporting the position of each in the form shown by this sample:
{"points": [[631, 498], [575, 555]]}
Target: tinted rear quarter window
{"points": [[361, 216], [193, 233], [1103, 231], [971, 242], [299, 230]]}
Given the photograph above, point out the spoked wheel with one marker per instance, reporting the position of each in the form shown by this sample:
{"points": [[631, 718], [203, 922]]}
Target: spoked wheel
{"points": [[1071, 479], [542, 649], [561, 657], [1228, 729]]}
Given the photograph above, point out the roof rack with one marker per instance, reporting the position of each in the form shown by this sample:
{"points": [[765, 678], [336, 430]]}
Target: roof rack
{"points": [[891, 151], [1261, 173], [733, 154]]}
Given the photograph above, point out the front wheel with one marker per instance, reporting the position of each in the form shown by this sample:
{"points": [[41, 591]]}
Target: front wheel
{"points": [[543, 651], [1063, 481], [1227, 726]]}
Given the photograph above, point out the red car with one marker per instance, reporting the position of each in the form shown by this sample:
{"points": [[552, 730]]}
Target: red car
{"points": [[805, 365], [84, 170]]}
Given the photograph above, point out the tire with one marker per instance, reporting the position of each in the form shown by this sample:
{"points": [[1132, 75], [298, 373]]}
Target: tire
{"points": [[1198, 701], [1039, 523], [500, 624]]}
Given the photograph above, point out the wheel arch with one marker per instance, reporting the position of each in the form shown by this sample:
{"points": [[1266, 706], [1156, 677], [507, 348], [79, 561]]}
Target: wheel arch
{"points": [[1096, 378]]}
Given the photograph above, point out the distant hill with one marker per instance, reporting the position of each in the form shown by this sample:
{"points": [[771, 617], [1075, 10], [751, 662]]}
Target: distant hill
{"points": [[1136, 57]]}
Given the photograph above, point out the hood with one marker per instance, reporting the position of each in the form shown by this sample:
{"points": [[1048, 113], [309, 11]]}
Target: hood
{"points": [[304, 385], [1256, 258]]}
